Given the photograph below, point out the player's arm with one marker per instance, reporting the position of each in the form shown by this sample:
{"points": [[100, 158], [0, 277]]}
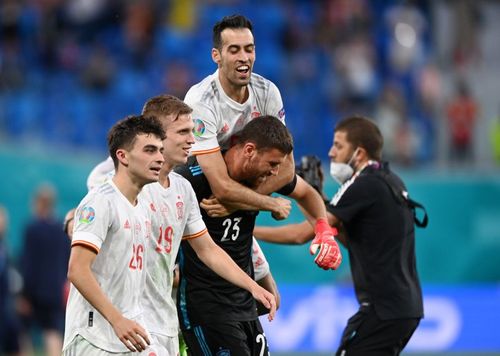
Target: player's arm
{"points": [[131, 334], [292, 234], [229, 192], [219, 261], [309, 200], [269, 284], [263, 276]]}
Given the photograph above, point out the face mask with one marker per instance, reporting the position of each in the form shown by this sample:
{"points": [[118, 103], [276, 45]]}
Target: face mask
{"points": [[341, 172]]}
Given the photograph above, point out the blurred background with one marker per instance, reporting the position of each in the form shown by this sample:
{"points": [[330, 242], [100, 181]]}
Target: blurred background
{"points": [[427, 71]]}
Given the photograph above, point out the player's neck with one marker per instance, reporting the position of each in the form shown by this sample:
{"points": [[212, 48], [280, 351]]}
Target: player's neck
{"points": [[237, 93], [128, 187], [231, 163], [164, 180]]}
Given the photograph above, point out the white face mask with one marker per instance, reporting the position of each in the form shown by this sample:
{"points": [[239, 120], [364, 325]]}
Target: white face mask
{"points": [[341, 172]]}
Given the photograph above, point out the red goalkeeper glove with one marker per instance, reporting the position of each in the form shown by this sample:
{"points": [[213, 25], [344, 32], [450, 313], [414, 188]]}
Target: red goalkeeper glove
{"points": [[329, 256]]}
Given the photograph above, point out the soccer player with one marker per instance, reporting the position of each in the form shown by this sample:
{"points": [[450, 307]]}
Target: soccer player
{"points": [[176, 216], [106, 266], [222, 104], [215, 316]]}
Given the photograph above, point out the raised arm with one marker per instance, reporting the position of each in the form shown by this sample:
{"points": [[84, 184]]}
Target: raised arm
{"points": [[220, 262], [130, 333]]}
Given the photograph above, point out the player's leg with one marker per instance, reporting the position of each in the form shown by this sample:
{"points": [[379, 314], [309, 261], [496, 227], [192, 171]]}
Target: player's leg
{"points": [[257, 339], [367, 334], [218, 338]]}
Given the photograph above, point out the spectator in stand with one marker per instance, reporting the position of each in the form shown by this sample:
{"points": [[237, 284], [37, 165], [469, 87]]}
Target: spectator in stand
{"points": [[462, 113]]}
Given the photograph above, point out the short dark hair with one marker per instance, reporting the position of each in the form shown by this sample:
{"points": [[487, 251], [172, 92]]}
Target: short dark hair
{"points": [[266, 132], [233, 21], [163, 105], [124, 133], [363, 132]]}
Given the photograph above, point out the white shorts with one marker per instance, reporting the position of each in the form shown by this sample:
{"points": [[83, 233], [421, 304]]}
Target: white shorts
{"points": [[163, 345], [80, 346]]}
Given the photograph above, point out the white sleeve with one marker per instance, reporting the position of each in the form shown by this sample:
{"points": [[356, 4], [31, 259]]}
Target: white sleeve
{"points": [[274, 103], [101, 173], [260, 264], [206, 128], [92, 220], [195, 226]]}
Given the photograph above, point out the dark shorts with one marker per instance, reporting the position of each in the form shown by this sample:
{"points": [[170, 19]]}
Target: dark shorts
{"points": [[239, 338], [367, 334], [46, 317]]}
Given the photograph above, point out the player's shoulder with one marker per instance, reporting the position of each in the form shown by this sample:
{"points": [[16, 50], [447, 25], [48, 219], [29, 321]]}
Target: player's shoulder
{"points": [[179, 182], [203, 91], [258, 82], [103, 195]]}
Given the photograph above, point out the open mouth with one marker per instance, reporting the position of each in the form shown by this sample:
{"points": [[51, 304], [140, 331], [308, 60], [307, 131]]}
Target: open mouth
{"points": [[243, 69], [156, 170]]}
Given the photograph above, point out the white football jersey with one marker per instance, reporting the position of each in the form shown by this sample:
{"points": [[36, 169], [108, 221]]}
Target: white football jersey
{"points": [[101, 173], [260, 264], [175, 215], [117, 231], [217, 117]]}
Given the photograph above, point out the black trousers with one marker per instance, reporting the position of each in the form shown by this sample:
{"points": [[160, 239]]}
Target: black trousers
{"points": [[366, 334]]}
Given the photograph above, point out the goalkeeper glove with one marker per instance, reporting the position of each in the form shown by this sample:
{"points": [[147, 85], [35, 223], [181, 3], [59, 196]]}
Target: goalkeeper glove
{"points": [[329, 256]]}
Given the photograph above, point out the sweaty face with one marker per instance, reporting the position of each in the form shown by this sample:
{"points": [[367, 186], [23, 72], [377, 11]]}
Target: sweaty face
{"points": [[341, 150], [237, 56], [179, 140], [145, 159], [261, 165]]}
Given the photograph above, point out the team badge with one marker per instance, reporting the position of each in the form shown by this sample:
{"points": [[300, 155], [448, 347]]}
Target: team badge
{"points": [[199, 127], [87, 215], [152, 207], [223, 352], [281, 113]]}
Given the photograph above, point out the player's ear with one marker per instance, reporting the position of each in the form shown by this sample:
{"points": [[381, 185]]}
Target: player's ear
{"points": [[216, 56], [121, 154], [249, 149]]}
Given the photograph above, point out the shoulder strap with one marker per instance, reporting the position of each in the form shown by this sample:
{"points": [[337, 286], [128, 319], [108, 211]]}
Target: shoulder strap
{"points": [[402, 197]]}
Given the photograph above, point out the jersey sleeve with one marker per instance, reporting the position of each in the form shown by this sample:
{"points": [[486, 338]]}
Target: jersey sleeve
{"points": [[195, 226], [274, 103], [289, 187], [92, 219], [101, 173], [206, 128], [260, 264]]}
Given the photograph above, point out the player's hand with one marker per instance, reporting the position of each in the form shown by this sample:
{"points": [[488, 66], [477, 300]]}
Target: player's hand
{"points": [[214, 208], [282, 208], [266, 298], [131, 334], [329, 256]]}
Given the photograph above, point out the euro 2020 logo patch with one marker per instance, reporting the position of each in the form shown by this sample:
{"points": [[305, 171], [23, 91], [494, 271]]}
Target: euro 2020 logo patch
{"points": [[199, 127], [87, 215]]}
